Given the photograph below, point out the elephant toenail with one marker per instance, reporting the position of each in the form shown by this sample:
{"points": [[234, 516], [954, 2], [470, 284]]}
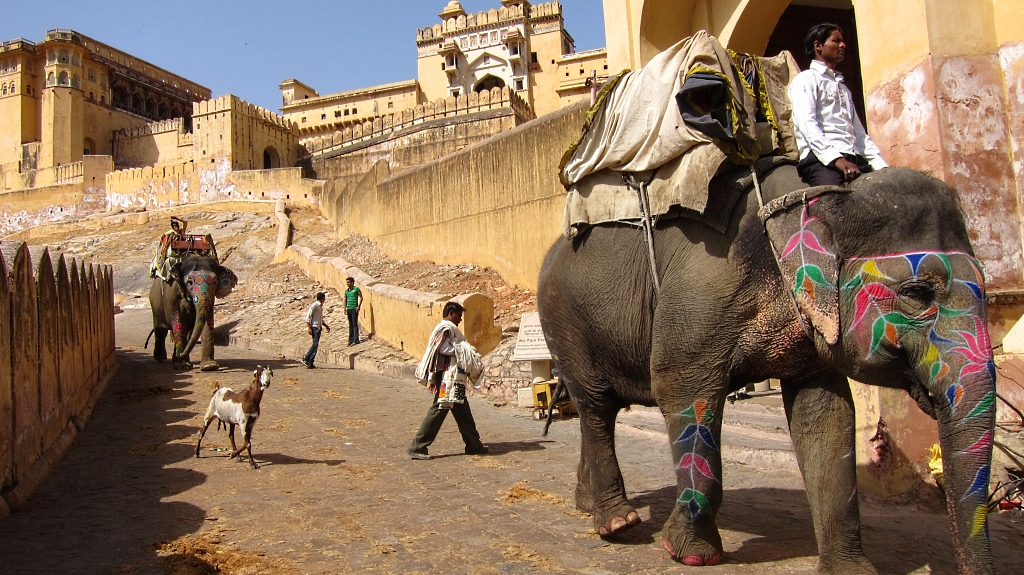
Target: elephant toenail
{"points": [[714, 559], [693, 560], [668, 548]]}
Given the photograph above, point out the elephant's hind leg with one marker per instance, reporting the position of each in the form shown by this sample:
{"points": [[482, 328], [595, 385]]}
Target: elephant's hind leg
{"points": [[599, 480], [821, 421], [159, 344]]}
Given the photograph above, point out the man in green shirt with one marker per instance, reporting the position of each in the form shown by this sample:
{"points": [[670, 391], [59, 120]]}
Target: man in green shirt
{"points": [[353, 302]]}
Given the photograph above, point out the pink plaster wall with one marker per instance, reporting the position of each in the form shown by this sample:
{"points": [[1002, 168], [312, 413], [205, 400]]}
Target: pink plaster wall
{"points": [[955, 118]]}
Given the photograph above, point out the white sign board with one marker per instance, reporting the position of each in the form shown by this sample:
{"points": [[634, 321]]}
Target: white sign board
{"points": [[531, 345]]}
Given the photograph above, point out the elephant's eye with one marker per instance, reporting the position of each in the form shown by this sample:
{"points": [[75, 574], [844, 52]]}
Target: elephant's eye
{"points": [[916, 297]]}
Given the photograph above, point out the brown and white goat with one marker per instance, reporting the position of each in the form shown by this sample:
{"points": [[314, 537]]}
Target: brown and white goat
{"points": [[240, 408]]}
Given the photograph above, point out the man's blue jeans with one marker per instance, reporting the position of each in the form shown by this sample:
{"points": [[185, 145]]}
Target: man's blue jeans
{"points": [[311, 354]]}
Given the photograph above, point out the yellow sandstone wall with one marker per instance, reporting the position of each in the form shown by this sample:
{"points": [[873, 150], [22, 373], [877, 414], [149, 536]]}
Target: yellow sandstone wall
{"points": [[448, 210], [57, 321], [400, 316]]}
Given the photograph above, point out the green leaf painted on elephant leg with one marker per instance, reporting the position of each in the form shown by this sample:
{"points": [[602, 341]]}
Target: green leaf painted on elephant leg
{"points": [[855, 282], [696, 501], [985, 406]]}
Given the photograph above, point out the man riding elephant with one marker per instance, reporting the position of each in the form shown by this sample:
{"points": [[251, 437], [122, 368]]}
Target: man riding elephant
{"points": [[182, 298]]}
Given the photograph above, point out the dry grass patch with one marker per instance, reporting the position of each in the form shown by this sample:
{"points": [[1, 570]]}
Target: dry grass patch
{"points": [[288, 381], [521, 554], [381, 549], [521, 492], [355, 422], [488, 463], [203, 555], [335, 432], [335, 395]]}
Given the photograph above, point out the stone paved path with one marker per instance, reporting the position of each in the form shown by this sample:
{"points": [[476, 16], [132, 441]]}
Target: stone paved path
{"points": [[336, 493]]}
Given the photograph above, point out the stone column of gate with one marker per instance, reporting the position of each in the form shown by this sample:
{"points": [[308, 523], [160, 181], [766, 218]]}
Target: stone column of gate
{"points": [[944, 83]]}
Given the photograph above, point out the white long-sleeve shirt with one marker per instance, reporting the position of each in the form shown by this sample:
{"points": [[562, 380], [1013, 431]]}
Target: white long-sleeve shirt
{"points": [[826, 122], [315, 315]]}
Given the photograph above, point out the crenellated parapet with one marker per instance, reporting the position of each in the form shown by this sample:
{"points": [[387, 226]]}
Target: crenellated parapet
{"points": [[451, 107], [172, 125], [244, 110], [484, 19]]}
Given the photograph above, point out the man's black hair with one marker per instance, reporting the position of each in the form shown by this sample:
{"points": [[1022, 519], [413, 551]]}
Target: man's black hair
{"points": [[320, 295], [820, 34], [452, 307], [350, 279]]}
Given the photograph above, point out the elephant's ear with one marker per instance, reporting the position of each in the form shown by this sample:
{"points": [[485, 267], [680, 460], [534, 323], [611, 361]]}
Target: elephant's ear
{"points": [[226, 281], [807, 259]]}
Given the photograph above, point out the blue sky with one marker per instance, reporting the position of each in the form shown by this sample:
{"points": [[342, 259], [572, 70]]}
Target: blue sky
{"points": [[248, 47]]}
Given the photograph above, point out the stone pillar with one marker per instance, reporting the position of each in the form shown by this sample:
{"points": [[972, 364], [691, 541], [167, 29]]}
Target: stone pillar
{"points": [[49, 390], [25, 356], [68, 366], [6, 382]]}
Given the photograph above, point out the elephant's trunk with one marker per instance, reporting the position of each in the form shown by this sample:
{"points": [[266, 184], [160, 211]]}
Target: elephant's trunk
{"points": [[966, 418], [202, 287]]}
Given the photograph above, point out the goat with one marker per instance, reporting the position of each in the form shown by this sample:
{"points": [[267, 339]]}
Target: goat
{"points": [[238, 409]]}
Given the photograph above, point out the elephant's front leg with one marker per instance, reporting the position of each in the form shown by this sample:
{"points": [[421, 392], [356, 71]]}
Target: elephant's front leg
{"points": [[180, 332], [208, 363], [821, 422], [694, 425]]}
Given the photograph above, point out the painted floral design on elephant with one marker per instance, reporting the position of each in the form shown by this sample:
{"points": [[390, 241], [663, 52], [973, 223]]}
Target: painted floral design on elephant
{"points": [[699, 448], [812, 271], [959, 353]]}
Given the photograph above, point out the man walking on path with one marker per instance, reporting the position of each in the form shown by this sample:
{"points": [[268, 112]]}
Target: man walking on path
{"points": [[353, 303], [438, 364], [314, 325], [833, 145]]}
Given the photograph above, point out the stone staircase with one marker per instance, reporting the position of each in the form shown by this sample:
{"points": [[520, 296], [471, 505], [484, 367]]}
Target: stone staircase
{"points": [[754, 431]]}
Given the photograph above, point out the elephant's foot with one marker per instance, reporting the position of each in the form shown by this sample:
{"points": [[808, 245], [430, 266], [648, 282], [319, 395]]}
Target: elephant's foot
{"points": [[182, 364], [584, 500], [853, 566], [693, 544], [210, 365], [615, 520]]}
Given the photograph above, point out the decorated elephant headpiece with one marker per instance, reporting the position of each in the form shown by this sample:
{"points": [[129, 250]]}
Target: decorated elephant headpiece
{"points": [[805, 251]]}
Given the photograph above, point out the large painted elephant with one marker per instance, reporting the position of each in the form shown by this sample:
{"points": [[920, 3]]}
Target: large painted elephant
{"points": [[184, 306], [875, 282]]}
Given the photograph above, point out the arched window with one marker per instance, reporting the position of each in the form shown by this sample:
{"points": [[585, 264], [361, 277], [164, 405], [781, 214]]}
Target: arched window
{"points": [[51, 57], [63, 79], [14, 89], [92, 96], [75, 82], [51, 80], [28, 89], [103, 99], [3, 92], [63, 58], [75, 60], [92, 75]]}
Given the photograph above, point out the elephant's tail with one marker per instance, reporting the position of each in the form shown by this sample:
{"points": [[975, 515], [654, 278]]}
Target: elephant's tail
{"points": [[560, 393], [151, 332]]}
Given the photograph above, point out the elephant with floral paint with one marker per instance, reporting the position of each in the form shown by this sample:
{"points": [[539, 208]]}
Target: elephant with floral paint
{"points": [[184, 306], [876, 282]]}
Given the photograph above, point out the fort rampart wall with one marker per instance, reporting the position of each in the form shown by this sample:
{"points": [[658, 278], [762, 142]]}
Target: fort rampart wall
{"points": [[400, 316], [398, 122], [449, 210], [57, 327], [185, 183]]}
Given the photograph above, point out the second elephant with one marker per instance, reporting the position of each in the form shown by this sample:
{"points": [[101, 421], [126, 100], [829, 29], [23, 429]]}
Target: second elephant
{"points": [[183, 306]]}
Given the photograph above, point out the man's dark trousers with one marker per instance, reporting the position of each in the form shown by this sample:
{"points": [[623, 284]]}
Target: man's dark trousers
{"points": [[311, 354], [435, 417], [353, 326], [814, 173]]}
